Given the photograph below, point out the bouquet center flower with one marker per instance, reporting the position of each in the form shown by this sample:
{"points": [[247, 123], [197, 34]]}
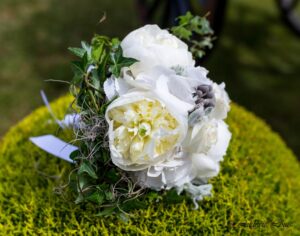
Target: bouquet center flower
{"points": [[143, 130]]}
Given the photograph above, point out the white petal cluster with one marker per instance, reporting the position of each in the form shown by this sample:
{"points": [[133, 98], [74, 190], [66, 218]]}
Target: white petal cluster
{"points": [[161, 128]]}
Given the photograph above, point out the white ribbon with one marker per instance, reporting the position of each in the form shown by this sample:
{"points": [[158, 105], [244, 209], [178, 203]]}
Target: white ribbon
{"points": [[54, 146]]}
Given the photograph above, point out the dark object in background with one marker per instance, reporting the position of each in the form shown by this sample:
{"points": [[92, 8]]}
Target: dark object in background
{"points": [[290, 11]]}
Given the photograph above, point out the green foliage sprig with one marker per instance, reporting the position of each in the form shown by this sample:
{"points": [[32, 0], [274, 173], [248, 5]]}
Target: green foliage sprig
{"points": [[97, 62], [196, 31], [95, 179]]}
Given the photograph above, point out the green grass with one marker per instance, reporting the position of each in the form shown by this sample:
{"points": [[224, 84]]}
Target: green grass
{"points": [[259, 183], [257, 56]]}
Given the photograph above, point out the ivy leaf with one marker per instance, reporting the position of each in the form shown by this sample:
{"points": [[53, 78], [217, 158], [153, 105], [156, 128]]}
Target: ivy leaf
{"points": [[182, 32], [113, 175], [77, 68], [100, 48], [87, 48], [86, 167], [85, 61], [97, 51], [96, 197], [133, 205], [109, 195], [185, 19], [83, 181], [79, 52], [197, 33], [107, 211], [95, 81], [79, 199], [118, 61], [74, 154]]}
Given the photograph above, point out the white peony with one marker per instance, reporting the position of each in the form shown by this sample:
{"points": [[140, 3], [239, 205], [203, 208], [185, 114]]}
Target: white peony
{"points": [[153, 46], [207, 143], [143, 130], [176, 88], [197, 159], [168, 174]]}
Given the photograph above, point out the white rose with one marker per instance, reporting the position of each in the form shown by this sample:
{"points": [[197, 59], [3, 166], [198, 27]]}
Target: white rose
{"points": [[143, 130], [207, 143], [153, 46]]}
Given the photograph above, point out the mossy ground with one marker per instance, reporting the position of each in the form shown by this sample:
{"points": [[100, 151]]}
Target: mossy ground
{"points": [[259, 184]]}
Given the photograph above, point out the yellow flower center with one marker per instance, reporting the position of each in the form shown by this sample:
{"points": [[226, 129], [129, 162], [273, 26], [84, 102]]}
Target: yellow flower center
{"points": [[143, 130]]}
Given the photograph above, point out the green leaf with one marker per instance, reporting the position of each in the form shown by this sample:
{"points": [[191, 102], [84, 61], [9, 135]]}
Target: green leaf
{"points": [[97, 51], [108, 195], [185, 19], [87, 48], [83, 181], [79, 199], [100, 48], [85, 62], [133, 205], [182, 32], [77, 79], [77, 68], [95, 81], [115, 42], [107, 211], [197, 33], [77, 51], [86, 167], [113, 175], [96, 197], [118, 61], [74, 154]]}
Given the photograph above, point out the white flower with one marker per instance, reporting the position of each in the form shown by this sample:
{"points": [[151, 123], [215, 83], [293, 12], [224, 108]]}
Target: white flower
{"points": [[167, 174], [143, 130], [207, 143], [222, 102], [153, 46], [176, 88], [198, 159]]}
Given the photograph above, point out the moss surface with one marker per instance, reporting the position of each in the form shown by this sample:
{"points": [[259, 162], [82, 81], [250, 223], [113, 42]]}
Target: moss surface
{"points": [[259, 184]]}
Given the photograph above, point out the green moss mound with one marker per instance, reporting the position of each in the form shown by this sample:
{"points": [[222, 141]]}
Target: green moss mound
{"points": [[257, 191]]}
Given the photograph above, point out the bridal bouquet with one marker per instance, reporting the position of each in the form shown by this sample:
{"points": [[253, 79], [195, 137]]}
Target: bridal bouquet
{"points": [[148, 122]]}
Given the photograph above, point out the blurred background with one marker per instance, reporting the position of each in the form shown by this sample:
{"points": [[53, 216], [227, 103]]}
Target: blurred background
{"points": [[256, 54]]}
